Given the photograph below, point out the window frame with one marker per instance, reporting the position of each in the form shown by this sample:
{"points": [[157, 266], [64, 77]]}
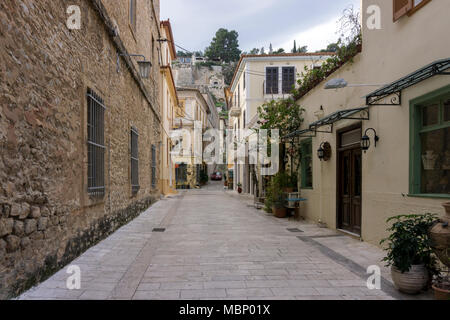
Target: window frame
{"points": [[408, 10], [96, 147], [276, 81], [416, 8], [416, 129], [284, 89], [306, 147]]}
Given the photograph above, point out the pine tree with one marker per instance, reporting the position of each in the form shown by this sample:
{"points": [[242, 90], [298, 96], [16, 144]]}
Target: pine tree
{"points": [[295, 47], [224, 46]]}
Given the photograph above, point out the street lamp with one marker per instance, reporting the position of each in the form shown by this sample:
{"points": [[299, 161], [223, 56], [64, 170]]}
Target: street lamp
{"points": [[365, 140], [144, 65]]}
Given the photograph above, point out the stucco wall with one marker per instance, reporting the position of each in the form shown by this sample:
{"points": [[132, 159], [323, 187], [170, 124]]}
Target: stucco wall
{"points": [[388, 54]]}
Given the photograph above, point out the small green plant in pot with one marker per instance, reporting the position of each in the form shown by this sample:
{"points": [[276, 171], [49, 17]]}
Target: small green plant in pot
{"points": [[409, 252], [239, 186], [275, 197]]}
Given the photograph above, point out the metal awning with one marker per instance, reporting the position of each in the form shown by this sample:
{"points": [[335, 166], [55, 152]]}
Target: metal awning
{"points": [[340, 115], [395, 88], [306, 133]]}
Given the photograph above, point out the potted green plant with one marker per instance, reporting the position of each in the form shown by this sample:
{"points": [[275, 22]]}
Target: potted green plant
{"points": [[409, 252], [274, 195], [278, 208], [239, 185]]}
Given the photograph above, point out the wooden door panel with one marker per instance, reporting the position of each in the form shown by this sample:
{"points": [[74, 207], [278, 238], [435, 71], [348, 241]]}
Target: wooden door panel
{"points": [[350, 190]]}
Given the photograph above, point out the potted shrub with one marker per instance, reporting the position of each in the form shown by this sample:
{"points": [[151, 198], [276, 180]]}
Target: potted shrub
{"points": [[278, 208], [409, 252], [239, 185], [274, 195]]}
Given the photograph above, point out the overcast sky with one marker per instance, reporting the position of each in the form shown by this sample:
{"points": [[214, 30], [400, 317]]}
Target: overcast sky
{"points": [[258, 22]]}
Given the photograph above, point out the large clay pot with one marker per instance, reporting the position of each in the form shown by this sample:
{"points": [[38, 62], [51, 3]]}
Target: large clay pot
{"points": [[279, 212], [413, 281], [446, 206], [441, 294], [440, 237]]}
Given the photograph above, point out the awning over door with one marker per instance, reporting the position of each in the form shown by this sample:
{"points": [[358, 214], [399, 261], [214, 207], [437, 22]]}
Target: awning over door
{"points": [[306, 133], [395, 88], [352, 114]]}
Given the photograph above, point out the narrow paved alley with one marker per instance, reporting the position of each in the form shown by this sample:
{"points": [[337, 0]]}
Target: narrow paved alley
{"points": [[211, 244]]}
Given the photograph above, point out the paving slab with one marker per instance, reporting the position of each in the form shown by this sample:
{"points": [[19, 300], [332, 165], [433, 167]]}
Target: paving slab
{"points": [[215, 245]]}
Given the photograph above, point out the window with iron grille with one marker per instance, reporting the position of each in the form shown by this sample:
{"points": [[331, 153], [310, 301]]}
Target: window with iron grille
{"points": [[134, 161], [153, 166], [288, 79], [96, 144], [272, 80]]}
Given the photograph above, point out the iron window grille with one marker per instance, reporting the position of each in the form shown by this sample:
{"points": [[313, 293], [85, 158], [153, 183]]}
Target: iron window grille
{"points": [[96, 144], [153, 166], [288, 79], [134, 161]]}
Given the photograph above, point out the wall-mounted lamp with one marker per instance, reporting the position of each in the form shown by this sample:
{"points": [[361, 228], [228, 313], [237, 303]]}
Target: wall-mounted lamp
{"points": [[320, 114], [324, 152], [365, 140], [144, 65]]}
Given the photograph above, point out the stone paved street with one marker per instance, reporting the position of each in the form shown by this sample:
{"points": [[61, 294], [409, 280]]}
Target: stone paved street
{"points": [[216, 246]]}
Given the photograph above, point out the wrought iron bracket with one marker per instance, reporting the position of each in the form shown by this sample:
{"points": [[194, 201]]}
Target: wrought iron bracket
{"points": [[396, 100]]}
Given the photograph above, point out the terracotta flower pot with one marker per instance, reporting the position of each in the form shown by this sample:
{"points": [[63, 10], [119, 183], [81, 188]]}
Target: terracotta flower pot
{"points": [[440, 237], [411, 282], [279, 212], [441, 294], [239, 190]]}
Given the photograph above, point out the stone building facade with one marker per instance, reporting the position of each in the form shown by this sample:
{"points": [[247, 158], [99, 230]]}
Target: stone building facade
{"points": [[78, 132], [169, 105], [191, 122]]}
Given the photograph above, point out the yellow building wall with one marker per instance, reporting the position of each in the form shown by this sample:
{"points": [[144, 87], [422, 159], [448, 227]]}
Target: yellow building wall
{"points": [[388, 54]]}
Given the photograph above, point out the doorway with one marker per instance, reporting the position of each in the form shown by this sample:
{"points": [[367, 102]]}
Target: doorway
{"points": [[349, 180]]}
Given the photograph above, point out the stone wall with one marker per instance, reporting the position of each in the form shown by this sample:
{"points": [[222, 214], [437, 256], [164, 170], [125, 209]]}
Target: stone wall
{"points": [[206, 79], [47, 217]]}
